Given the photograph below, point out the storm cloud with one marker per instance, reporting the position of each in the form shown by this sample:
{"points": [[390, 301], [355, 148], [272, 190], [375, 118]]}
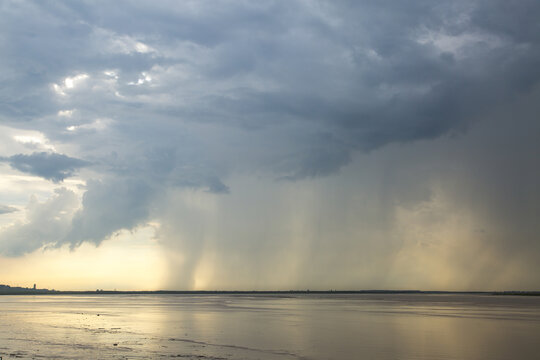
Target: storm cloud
{"points": [[5, 209], [51, 166], [405, 112]]}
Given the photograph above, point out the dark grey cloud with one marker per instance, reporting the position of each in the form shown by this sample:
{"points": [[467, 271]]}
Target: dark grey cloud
{"points": [[107, 208], [5, 209], [356, 70], [51, 166], [516, 22]]}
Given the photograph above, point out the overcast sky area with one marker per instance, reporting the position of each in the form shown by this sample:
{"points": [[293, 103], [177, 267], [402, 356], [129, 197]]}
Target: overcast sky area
{"points": [[298, 144]]}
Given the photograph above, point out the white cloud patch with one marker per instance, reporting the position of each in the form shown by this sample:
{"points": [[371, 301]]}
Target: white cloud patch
{"points": [[34, 141], [460, 45], [97, 125], [69, 83], [143, 79], [66, 113], [110, 42]]}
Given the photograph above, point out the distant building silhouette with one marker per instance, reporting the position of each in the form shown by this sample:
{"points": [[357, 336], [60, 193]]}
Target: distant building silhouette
{"points": [[34, 286]]}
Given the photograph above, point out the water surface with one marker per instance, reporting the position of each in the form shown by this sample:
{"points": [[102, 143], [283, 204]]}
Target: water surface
{"points": [[381, 326]]}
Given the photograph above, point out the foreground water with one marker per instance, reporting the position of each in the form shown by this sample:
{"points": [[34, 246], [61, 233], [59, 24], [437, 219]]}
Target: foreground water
{"points": [[270, 327]]}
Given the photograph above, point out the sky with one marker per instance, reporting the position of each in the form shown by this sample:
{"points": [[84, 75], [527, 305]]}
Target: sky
{"points": [[250, 145]]}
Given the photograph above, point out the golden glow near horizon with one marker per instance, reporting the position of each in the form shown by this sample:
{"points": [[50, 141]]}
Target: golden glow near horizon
{"points": [[128, 261]]}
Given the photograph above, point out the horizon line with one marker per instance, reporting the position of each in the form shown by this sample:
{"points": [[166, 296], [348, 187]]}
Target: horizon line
{"points": [[6, 289]]}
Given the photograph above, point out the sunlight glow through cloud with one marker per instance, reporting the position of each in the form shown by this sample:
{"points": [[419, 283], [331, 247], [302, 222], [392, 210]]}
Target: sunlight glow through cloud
{"points": [[35, 140]]}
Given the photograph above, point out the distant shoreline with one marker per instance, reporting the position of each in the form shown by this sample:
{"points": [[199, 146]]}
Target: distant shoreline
{"points": [[24, 291]]}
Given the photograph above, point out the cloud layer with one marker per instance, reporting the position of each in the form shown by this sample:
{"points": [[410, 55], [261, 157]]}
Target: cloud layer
{"points": [[174, 97], [51, 166], [5, 209]]}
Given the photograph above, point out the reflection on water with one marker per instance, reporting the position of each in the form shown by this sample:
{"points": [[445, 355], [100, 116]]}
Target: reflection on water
{"points": [[270, 327]]}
